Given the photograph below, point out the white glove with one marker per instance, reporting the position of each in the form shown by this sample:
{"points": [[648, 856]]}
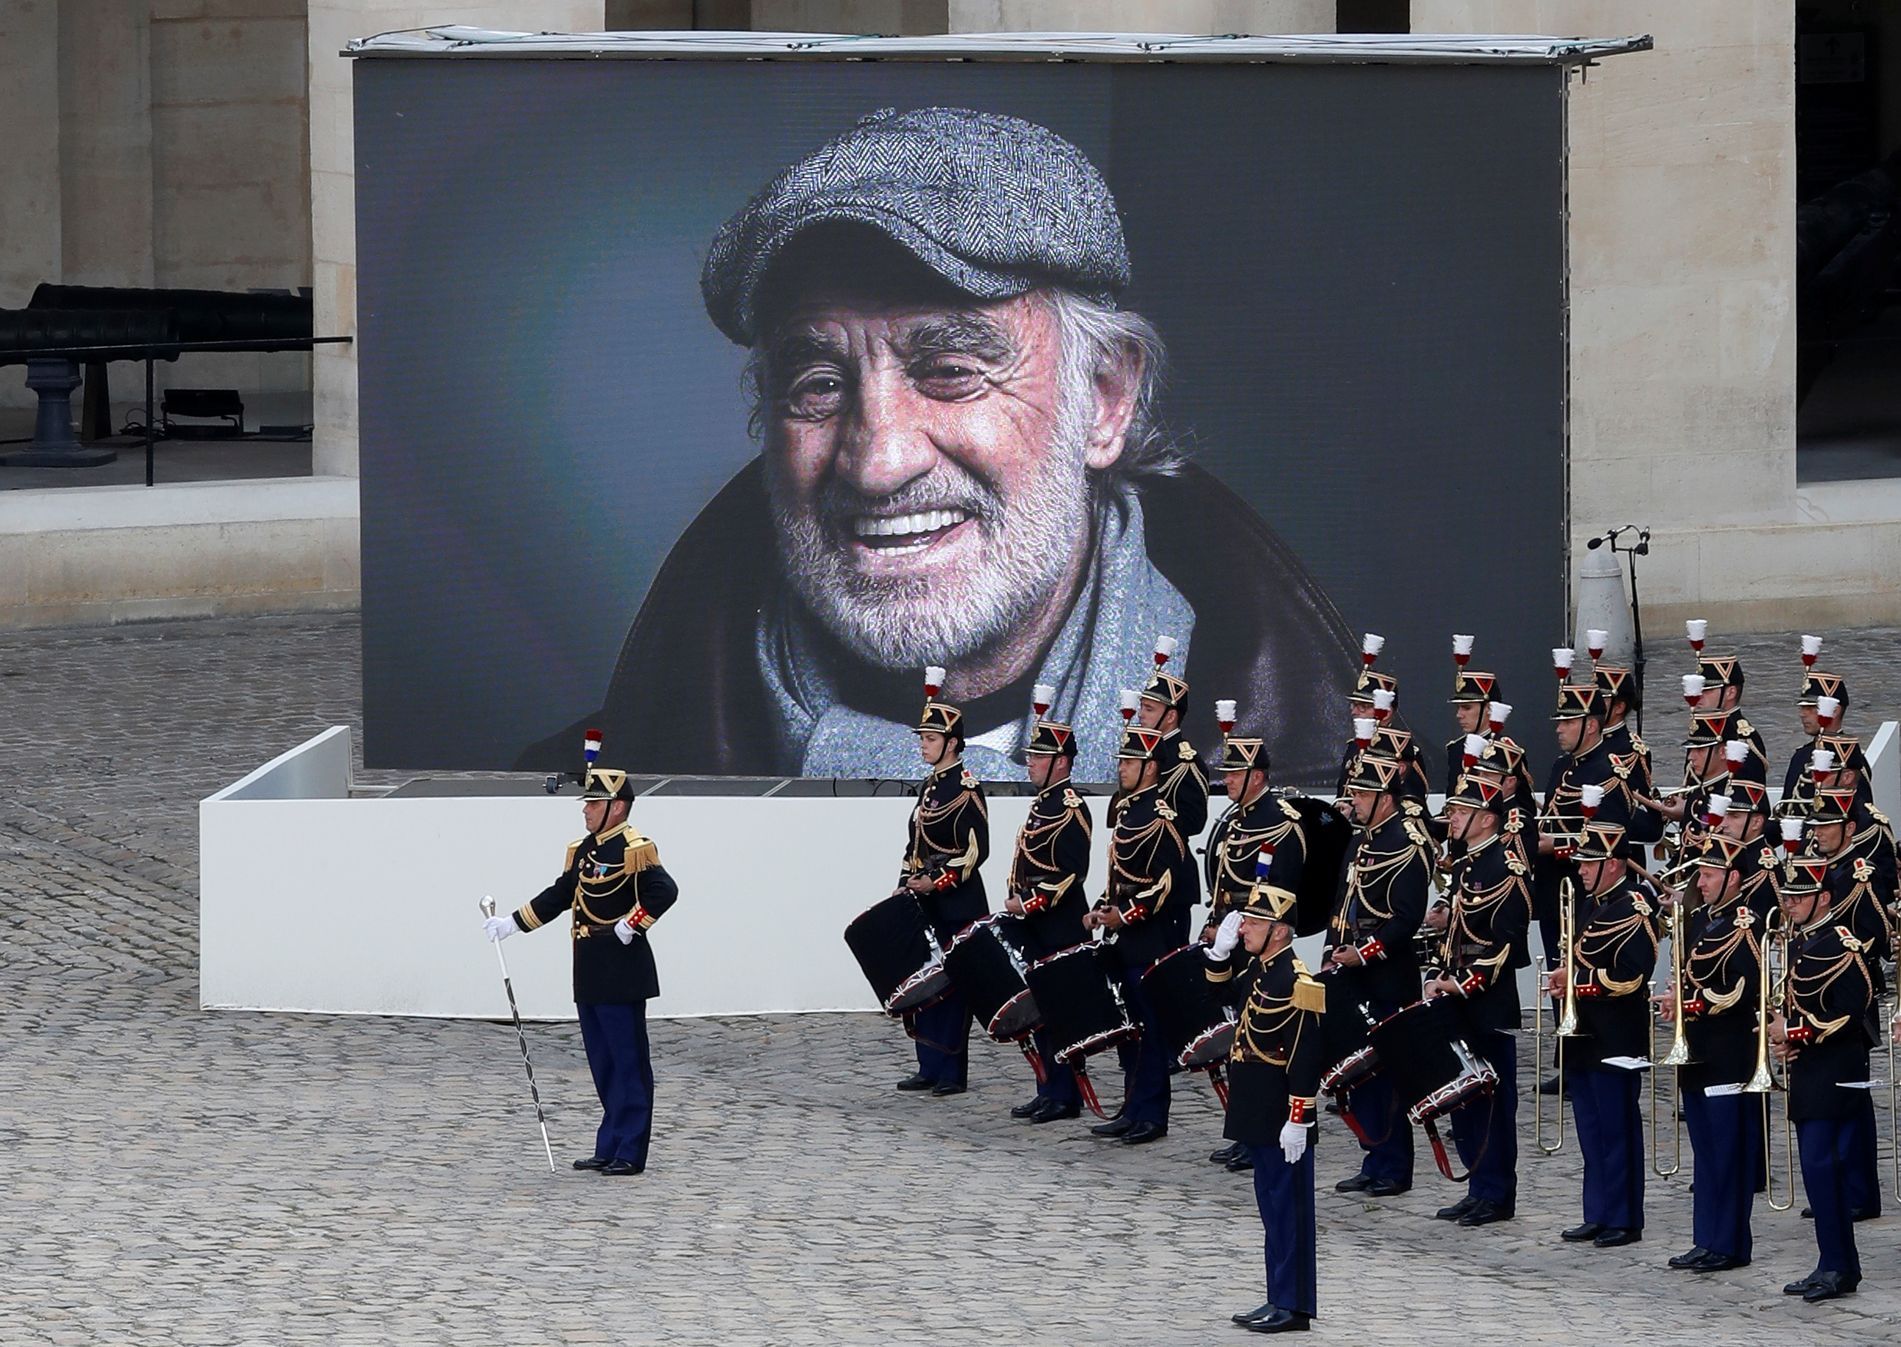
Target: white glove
{"points": [[1227, 936], [500, 928], [624, 931], [1293, 1141]]}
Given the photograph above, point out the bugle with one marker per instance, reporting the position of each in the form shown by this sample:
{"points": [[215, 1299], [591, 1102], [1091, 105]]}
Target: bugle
{"points": [[1567, 1025], [1763, 1082]]}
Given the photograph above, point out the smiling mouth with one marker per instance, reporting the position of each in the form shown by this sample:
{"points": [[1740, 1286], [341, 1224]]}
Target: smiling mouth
{"points": [[894, 535]]}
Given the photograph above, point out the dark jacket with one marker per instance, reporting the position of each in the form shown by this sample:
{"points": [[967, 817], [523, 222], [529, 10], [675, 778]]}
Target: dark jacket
{"points": [[686, 694], [1276, 1059], [1049, 871], [949, 839], [1615, 956], [604, 878], [1722, 988], [1830, 1012], [1484, 942], [1152, 881], [1382, 909]]}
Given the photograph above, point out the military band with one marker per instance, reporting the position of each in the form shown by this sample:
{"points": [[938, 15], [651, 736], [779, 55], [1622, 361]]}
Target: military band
{"points": [[1780, 914]]}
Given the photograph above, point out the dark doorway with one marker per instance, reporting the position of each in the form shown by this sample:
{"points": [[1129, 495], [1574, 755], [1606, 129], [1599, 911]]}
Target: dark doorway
{"points": [[1848, 240]]}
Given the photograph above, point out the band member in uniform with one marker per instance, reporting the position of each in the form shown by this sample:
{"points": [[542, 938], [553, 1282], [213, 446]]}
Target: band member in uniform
{"points": [[1614, 953], [1183, 786], [1370, 688], [1274, 1073], [1722, 982], [1860, 880], [1372, 960], [1584, 759], [1152, 885], [1623, 696], [1483, 949], [1816, 684], [1472, 695], [614, 886], [1823, 1030], [1712, 752], [1722, 686], [1047, 875], [949, 840], [1259, 824], [1743, 816]]}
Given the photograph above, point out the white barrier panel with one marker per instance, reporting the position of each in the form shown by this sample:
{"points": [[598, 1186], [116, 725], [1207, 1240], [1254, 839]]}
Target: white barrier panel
{"points": [[369, 906], [314, 901]]}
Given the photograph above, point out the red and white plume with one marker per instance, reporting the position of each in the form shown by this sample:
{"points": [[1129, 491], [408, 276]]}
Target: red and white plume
{"points": [[1370, 647]]}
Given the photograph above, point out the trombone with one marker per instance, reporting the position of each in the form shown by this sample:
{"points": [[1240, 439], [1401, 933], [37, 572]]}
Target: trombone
{"points": [[1679, 1053], [1771, 995], [1567, 1023]]}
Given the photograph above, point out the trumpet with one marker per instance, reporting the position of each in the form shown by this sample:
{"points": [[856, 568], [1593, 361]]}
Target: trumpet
{"points": [[1676, 917], [1567, 1024], [1763, 1081]]}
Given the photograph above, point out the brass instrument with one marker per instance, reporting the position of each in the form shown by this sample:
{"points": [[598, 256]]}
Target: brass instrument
{"points": [[1770, 998], [1567, 1022], [1679, 1053]]}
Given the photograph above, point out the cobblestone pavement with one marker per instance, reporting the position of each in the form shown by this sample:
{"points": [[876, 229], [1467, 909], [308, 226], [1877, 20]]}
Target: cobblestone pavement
{"points": [[172, 1176]]}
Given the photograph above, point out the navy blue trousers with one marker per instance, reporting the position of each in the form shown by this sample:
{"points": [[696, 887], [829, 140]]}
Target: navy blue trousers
{"points": [[1285, 1195], [1486, 1131], [1827, 1148], [1059, 1082], [1389, 1143], [1864, 1175], [1604, 1104], [1146, 1061], [616, 1042], [943, 1041], [1726, 1143]]}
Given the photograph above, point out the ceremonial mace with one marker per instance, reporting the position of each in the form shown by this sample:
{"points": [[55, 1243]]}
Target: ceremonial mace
{"points": [[488, 910]]}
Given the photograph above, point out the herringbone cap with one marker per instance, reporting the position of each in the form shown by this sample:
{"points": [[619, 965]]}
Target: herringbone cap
{"points": [[995, 205]]}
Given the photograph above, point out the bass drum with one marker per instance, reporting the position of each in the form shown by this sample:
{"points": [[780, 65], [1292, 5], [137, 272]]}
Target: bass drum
{"points": [[985, 970], [1197, 1030], [898, 955], [1082, 1011], [1329, 837]]}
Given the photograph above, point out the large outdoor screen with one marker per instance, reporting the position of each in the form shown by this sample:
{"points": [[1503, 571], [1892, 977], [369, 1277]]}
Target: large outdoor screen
{"points": [[708, 401]]}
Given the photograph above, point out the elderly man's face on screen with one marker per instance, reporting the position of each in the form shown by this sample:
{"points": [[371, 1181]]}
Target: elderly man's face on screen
{"points": [[928, 455]]}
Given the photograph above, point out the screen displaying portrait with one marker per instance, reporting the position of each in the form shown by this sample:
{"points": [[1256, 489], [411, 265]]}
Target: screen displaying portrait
{"points": [[707, 402]]}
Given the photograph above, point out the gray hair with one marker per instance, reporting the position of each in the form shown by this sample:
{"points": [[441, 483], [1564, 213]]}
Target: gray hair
{"points": [[1092, 337]]}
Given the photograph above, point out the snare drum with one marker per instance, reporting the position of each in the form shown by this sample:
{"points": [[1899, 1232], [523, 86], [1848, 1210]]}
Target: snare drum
{"points": [[1082, 1010], [1197, 1030], [1475, 1080], [898, 955], [985, 971]]}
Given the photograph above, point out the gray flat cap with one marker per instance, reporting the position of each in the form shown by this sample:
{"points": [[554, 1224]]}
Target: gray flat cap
{"points": [[994, 205]]}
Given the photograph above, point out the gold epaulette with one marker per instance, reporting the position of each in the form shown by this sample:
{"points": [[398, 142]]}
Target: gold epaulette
{"points": [[1743, 727], [1515, 865], [1185, 750], [1309, 994], [1637, 742], [1417, 831], [1071, 800], [1287, 808], [567, 862], [1622, 765]]}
